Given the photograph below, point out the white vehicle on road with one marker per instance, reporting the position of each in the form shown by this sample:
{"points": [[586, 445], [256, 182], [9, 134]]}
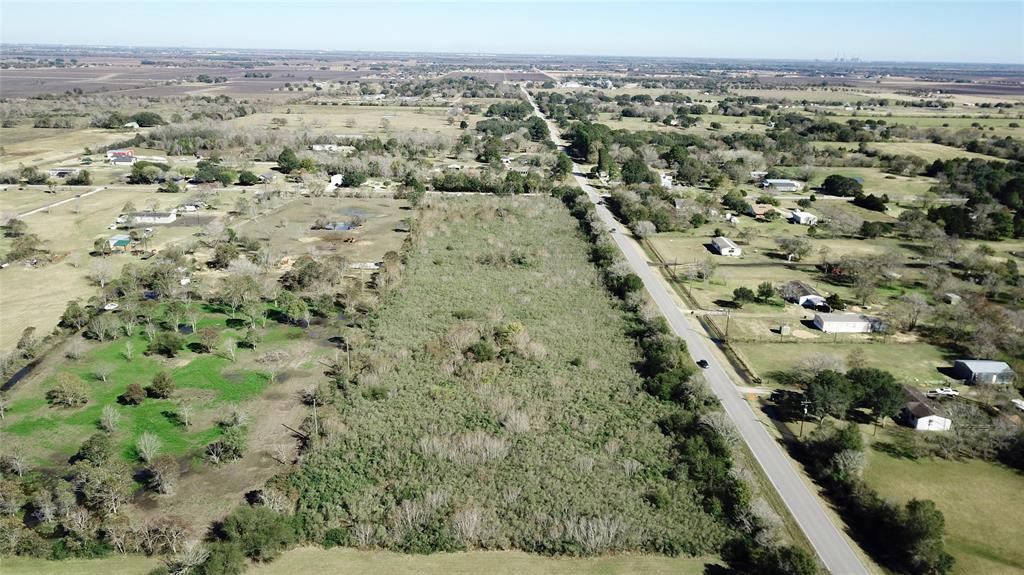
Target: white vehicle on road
{"points": [[943, 392], [1018, 403]]}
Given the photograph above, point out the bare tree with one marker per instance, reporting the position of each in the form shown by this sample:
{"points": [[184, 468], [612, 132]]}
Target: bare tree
{"points": [[75, 349], [101, 271], [110, 418], [129, 350], [908, 309], [185, 413], [229, 347], [193, 554], [147, 445], [102, 371]]}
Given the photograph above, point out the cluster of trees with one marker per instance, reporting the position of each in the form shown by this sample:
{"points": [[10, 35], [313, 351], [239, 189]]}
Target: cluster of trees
{"points": [[995, 198], [513, 183], [843, 186], [115, 120], [764, 294]]}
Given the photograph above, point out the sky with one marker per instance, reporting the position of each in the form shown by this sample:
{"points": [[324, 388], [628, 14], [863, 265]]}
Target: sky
{"points": [[904, 30]]}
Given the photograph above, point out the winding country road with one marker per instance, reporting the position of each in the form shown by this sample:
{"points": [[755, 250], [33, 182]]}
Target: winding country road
{"points": [[834, 550]]}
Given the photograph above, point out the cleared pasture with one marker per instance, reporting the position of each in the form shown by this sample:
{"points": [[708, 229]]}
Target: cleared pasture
{"points": [[355, 119], [925, 150], [36, 296]]}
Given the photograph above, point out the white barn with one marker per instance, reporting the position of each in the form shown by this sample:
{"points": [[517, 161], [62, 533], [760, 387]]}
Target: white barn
{"points": [[845, 323], [724, 246], [782, 185]]}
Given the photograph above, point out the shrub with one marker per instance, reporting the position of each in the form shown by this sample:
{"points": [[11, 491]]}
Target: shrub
{"points": [[69, 391], [162, 386], [134, 395], [167, 343], [260, 533]]}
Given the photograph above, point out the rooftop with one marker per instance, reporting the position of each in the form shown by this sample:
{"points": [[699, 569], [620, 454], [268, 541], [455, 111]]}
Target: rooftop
{"points": [[984, 365], [844, 317]]}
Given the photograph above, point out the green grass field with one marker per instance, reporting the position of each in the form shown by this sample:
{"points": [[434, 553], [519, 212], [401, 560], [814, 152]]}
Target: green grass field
{"points": [[913, 363], [210, 383], [981, 502]]}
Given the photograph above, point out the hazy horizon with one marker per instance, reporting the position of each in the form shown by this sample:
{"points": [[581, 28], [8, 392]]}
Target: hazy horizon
{"points": [[906, 31]]}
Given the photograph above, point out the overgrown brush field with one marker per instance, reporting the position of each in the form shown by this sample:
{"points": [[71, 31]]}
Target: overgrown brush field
{"points": [[499, 407]]}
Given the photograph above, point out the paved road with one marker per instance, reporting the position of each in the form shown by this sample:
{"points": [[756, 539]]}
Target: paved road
{"points": [[55, 204], [830, 544]]}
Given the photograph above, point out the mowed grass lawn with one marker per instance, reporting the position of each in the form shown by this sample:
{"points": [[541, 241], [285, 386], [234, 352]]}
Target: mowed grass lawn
{"points": [[313, 561], [982, 503], [208, 382], [912, 363]]}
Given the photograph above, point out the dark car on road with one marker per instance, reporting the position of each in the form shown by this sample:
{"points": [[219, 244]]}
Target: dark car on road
{"points": [[703, 363]]}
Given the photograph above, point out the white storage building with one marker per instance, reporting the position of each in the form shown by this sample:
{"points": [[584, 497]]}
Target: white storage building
{"points": [[724, 246], [845, 323]]}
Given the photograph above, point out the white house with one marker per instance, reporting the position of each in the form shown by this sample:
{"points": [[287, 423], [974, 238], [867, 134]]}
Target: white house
{"points": [[324, 147], [337, 179], [782, 185], [845, 323], [267, 177], [803, 218], [923, 418], [920, 414], [153, 217], [666, 180], [758, 175], [724, 246]]}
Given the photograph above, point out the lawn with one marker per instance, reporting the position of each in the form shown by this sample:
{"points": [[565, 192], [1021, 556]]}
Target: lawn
{"points": [[913, 363], [210, 383], [981, 502]]}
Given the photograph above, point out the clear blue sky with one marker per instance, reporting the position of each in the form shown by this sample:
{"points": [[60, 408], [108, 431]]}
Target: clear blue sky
{"points": [[950, 31]]}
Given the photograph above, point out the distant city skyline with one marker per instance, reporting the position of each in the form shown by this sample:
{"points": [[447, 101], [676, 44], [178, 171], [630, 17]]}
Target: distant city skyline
{"points": [[917, 31]]}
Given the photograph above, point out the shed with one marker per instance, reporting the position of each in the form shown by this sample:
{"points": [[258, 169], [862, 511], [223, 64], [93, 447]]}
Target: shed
{"points": [[983, 371], [846, 323], [267, 177], [803, 218], [921, 414], [724, 246], [119, 241], [951, 298]]}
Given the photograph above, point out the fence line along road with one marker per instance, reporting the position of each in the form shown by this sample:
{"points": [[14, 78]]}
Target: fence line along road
{"points": [[828, 541]]}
